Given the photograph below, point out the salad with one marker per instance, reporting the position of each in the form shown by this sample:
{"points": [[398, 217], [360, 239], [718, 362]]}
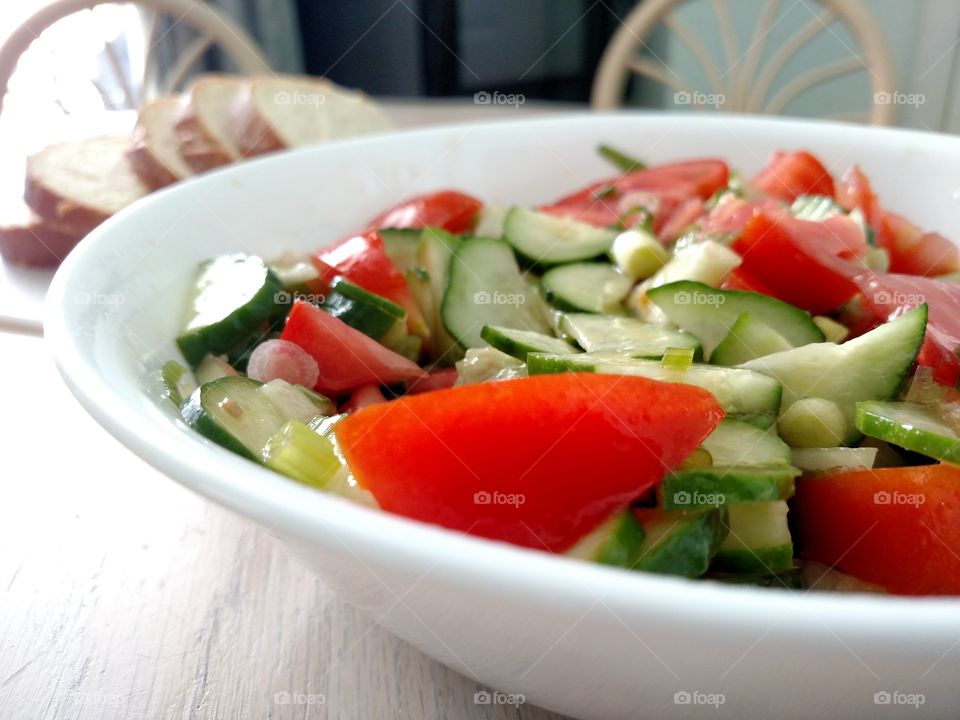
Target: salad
{"points": [[674, 370]]}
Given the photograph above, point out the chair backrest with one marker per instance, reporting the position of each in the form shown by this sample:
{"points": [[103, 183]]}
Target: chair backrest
{"points": [[747, 83], [211, 26]]}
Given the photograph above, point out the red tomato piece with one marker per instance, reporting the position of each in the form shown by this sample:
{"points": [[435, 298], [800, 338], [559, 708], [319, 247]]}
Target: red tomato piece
{"points": [[437, 380], [896, 527], [732, 214], [347, 359], [914, 252], [681, 218], [789, 175], [538, 461], [363, 260], [740, 279], [451, 210], [363, 397]]}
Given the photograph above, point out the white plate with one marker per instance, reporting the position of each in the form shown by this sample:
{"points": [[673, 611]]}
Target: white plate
{"points": [[577, 638]]}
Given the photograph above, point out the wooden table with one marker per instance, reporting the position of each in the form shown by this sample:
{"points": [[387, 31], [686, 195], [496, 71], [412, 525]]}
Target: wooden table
{"points": [[124, 596]]}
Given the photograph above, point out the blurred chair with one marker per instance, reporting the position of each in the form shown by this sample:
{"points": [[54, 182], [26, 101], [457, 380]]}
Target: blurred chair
{"points": [[747, 85], [212, 27]]}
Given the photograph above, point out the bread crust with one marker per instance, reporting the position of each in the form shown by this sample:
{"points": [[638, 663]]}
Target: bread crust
{"points": [[251, 133], [146, 164], [38, 244], [57, 209]]}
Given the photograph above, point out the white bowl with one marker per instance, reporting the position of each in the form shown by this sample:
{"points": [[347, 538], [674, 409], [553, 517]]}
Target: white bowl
{"points": [[581, 639]]}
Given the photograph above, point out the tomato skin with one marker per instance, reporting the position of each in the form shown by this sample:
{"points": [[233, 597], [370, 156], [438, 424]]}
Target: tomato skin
{"points": [[363, 260], [538, 461], [803, 263], [436, 380], [450, 210], [740, 279], [347, 359], [363, 397], [670, 185], [896, 527], [687, 214], [788, 175]]}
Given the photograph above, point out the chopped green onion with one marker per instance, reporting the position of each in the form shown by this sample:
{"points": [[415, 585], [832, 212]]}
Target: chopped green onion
{"points": [[638, 254], [176, 383], [303, 455], [621, 161], [678, 358]]}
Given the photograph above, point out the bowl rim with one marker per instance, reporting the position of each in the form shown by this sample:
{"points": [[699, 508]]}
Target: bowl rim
{"points": [[492, 568]]}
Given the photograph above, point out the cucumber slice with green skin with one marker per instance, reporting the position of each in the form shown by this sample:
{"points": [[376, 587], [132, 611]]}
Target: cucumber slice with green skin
{"points": [[678, 543], [545, 240], [176, 383], [748, 339], [870, 367], [371, 314], [617, 542], [242, 414], [486, 288], [586, 287], [212, 367], [739, 444], [519, 343], [402, 245], [726, 486], [839, 459], [710, 313], [758, 540], [234, 296], [435, 255], [738, 392], [605, 333], [911, 426], [486, 364]]}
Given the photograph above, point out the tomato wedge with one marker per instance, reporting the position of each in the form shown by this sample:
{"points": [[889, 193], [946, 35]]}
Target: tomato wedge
{"points": [[666, 188], [363, 260], [788, 175], [451, 210], [347, 358], [897, 527], [538, 461]]}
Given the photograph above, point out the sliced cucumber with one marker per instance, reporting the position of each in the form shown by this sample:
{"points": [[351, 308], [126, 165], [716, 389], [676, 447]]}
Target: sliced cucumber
{"points": [[294, 272], [402, 246], [371, 314], [679, 543], [832, 330], [605, 333], [748, 338], [586, 287], [737, 391], [639, 253], [544, 240], [490, 221], [911, 426], [299, 452], [234, 296], [758, 540], [213, 367], [726, 486], [242, 414], [710, 313], [519, 343], [176, 382], [617, 542], [870, 367], [486, 288], [814, 460], [487, 363], [435, 255], [812, 423], [734, 443]]}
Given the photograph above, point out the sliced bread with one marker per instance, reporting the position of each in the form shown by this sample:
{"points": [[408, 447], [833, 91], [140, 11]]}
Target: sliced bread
{"points": [[28, 239], [203, 128], [276, 112], [155, 151], [80, 183]]}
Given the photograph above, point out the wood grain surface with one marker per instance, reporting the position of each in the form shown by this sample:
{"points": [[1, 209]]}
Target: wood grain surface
{"points": [[125, 596]]}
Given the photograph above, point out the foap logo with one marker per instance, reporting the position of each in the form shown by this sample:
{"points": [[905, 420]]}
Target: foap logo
{"points": [[284, 97], [86, 298], [699, 99], [483, 297], [696, 697], [898, 298], [495, 697], [484, 497], [285, 697], [883, 497], [899, 98], [698, 499], [498, 98], [288, 298], [682, 297], [895, 697]]}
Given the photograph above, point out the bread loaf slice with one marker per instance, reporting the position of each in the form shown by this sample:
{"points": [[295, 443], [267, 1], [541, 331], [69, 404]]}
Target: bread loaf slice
{"points": [[276, 112], [80, 183], [203, 128], [155, 151], [28, 239]]}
